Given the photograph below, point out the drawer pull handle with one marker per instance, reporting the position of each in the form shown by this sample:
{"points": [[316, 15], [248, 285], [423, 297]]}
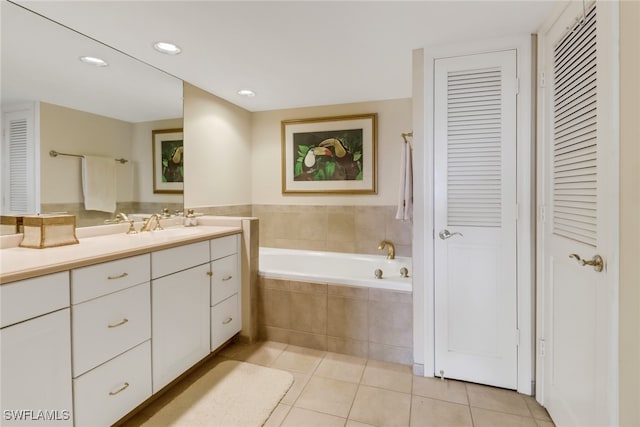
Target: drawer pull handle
{"points": [[120, 276], [227, 320], [120, 323], [209, 273], [124, 386], [227, 278]]}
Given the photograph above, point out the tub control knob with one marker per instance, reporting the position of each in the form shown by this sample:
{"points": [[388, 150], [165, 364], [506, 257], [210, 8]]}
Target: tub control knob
{"points": [[404, 272], [378, 273]]}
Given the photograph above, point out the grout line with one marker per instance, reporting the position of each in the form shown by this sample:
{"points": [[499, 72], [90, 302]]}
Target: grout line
{"points": [[466, 390], [352, 403]]}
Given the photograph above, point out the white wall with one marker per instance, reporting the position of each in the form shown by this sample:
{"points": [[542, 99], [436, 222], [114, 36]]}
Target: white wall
{"points": [[142, 161], [394, 118], [218, 157]]}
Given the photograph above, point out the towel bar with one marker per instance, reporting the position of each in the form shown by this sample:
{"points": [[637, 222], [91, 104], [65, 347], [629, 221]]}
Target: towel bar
{"points": [[54, 153]]}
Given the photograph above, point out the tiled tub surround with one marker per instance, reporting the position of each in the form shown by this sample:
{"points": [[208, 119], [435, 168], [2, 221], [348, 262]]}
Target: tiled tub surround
{"points": [[352, 229], [363, 322]]}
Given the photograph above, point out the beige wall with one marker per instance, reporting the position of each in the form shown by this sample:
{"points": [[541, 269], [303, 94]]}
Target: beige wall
{"points": [[142, 155], [78, 132], [72, 131], [629, 350], [394, 118], [237, 171], [218, 153]]}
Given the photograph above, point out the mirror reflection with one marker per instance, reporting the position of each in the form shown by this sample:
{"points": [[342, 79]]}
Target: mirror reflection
{"points": [[53, 101]]}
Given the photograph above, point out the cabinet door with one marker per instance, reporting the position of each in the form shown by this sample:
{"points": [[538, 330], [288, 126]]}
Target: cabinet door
{"points": [[180, 331], [36, 371]]}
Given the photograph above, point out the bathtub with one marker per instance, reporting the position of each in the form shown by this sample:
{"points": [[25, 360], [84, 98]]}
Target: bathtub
{"points": [[335, 268]]}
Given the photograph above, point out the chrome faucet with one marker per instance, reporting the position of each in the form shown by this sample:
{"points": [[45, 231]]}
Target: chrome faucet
{"points": [[391, 250], [149, 223]]}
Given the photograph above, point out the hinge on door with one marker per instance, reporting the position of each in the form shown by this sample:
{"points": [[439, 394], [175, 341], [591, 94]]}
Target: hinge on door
{"points": [[541, 347], [542, 82], [517, 337], [543, 214], [517, 85]]}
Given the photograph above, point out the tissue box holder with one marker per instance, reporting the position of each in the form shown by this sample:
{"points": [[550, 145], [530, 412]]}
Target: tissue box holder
{"points": [[48, 231]]}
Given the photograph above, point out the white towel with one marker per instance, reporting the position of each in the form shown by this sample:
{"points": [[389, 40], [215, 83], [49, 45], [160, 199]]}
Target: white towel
{"points": [[99, 183], [405, 192]]}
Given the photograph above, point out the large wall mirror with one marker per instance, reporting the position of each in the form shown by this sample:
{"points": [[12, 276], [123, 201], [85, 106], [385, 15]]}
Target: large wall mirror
{"points": [[82, 109]]}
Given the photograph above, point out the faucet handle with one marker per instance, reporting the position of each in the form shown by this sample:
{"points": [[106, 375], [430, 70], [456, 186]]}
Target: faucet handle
{"points": [[132, 228]]}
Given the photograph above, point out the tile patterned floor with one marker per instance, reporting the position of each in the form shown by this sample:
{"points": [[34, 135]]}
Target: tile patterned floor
{"points": [[338, 390]]}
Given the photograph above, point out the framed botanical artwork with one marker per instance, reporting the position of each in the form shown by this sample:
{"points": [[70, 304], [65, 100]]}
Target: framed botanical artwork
{"points": [[330, 155], [168, 161]]}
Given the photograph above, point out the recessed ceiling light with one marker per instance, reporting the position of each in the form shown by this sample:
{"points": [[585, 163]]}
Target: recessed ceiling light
{"points": [[166, 47], [94, 61], [247, 92]]}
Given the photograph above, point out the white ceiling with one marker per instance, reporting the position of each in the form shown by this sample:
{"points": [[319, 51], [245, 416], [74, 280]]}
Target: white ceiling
{"points": [[293, 53]]}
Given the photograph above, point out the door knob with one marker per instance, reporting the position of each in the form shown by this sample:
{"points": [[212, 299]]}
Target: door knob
{"points": [[446, 234], [596, 262]]}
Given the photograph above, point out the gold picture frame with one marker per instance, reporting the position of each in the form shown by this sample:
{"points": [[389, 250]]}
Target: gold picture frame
{"points": [[168, 161], [330, 155]]}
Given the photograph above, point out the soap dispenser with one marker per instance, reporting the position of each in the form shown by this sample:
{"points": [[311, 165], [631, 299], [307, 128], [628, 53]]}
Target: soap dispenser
{"points": [[190, 219]]}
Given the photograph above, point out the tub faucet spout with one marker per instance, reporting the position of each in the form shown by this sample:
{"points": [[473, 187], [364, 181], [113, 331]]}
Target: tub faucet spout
{"points": [[391, 250]]}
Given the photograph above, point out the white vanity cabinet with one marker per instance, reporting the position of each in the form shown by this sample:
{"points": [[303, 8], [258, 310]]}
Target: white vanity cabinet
{"points": [[180, 310], [86, 346], [111, 330], [36, 352], [225, 289]]}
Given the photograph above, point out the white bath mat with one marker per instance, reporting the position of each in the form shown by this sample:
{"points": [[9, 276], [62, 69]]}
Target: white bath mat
{"points": [[233, 394]]}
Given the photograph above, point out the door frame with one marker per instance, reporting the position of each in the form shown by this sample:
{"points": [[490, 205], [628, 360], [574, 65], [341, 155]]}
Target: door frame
{"points": [[423, 229], [609, 100]]}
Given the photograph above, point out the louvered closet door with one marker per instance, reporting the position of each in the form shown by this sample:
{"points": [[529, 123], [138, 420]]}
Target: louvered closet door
{"points": [[18, 177], [475, 218], [578, 335]]}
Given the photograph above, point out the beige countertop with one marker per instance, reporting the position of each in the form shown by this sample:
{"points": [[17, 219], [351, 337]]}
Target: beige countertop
{"points": [[23, 263]]}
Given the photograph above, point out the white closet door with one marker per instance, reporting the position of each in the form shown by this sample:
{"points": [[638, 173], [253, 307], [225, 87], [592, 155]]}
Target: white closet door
{"points": [[578, 192], [475, 218], [20, 186]]}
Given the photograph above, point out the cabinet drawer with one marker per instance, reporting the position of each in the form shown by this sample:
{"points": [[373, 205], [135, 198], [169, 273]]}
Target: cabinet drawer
{"points": [[107, 393], [33, 297], [225, 278], [225, 321], [224, 246], [107, 326], [102, 279], [171, 260]]}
